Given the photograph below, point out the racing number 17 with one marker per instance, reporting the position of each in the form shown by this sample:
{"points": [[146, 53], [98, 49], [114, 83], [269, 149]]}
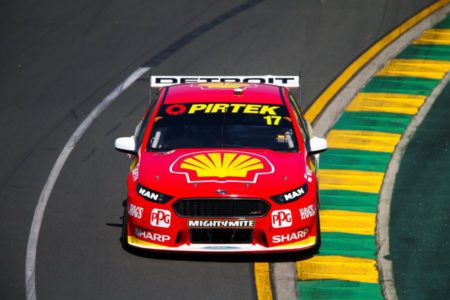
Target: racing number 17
{"points": [[272, 120]]}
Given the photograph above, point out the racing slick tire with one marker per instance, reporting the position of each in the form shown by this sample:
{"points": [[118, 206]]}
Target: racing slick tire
{"points": [[316, 247], [124, 237]]}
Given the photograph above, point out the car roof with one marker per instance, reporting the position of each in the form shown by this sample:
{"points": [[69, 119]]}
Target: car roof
{"points": [[223, 93]]}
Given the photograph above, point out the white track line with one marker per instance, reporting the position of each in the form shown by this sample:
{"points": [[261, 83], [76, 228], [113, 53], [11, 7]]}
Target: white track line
{"points": [[30, 262]]}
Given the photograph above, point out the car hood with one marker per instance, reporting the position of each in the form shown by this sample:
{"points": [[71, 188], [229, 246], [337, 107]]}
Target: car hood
{"points": [[222, 172]]}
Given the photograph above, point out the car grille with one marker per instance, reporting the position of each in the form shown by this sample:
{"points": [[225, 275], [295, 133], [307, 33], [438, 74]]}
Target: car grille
{"points": [[221, 208]]}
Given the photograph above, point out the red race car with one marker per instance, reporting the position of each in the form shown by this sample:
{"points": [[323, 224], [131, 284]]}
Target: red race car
{"points": [[223, 164]]}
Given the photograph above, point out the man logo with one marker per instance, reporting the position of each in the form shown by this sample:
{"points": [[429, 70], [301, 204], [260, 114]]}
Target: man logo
{"points": [[222, 166]]}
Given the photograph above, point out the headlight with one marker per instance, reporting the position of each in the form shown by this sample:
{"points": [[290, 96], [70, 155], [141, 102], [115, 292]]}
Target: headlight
{"points": [[152, 195], [291, 195]]}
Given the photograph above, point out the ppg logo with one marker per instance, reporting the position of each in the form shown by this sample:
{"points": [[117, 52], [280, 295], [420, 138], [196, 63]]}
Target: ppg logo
{"points": [[281, 218], [160, 218]]}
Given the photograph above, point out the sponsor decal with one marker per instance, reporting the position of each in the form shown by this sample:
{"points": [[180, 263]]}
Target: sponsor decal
{"points": [[221, 223], [147, 193], [221, 247], [135, 211], [281, 80], [222, 166], [214, 108], [308, 171], [135, 173], [290, 237], [160, 218], [281, 218], [295, 194], [175, 109], [224, 85], [308, 212], [281, 138], [152, 236]]}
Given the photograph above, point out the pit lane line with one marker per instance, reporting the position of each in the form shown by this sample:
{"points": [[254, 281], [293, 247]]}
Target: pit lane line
{"points": [[30, 262]]}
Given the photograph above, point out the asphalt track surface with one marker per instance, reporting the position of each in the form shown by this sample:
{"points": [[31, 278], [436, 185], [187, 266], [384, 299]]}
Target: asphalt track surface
{"points": [[60, 58]]}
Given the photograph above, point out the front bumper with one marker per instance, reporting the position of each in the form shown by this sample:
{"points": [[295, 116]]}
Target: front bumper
{"points": [[234, 248], [287, 227]]}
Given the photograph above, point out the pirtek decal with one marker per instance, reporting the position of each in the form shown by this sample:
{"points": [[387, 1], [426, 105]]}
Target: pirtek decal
{"points": [[221, 223], [233, 108], [222, 166]]}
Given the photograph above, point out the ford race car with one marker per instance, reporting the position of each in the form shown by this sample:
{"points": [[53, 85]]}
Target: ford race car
{"points": [[222, 164]]}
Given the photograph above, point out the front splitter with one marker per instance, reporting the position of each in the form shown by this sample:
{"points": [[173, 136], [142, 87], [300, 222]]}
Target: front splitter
{"points": [[232, 248]]}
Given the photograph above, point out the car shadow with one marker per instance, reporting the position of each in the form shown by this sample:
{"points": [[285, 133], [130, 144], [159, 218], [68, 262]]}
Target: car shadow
{"points": [[220, 257]]}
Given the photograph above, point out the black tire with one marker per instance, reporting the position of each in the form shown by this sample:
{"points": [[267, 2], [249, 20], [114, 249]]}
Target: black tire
{"points": [[124, 237], [315, 249]]}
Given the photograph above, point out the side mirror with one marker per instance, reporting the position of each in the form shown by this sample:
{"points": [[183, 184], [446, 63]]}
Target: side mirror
{"points": [[126, 145], [317, 145]]}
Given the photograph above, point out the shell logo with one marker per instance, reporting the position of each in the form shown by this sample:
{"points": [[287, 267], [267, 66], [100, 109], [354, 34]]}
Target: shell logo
{"points": [[222, 166]]}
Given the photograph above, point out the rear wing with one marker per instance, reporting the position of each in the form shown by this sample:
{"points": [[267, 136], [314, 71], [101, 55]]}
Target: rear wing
{"points": [[279, 80]]}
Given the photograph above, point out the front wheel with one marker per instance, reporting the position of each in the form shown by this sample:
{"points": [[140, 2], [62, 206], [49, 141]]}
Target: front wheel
{"points": [[316, 247], [124, 238]]}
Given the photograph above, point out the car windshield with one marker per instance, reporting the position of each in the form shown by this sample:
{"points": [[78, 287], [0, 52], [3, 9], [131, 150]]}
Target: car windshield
{"points": [[222, 125]]}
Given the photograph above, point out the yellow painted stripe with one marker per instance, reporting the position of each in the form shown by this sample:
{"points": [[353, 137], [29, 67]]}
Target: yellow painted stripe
{"points": [[363, 140], [137, 242], [262, 281], [308, 241], [434, 36], [389, 103], [351, 180], [338, 267], [347, 222], [320, 103], [434, 69]]}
